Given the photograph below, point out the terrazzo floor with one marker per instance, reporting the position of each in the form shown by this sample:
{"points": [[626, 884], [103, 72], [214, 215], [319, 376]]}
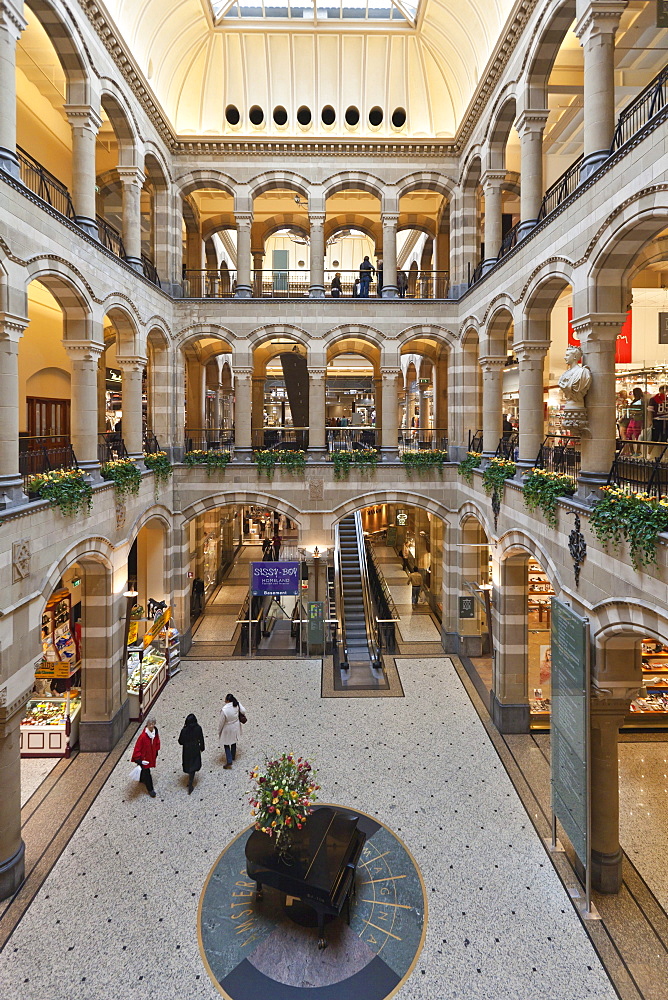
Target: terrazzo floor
{"points": [[33, 772], [117, 915], [643, 811], [416, 623]]}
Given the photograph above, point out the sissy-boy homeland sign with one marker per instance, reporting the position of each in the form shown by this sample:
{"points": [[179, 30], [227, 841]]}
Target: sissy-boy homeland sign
{"points": [[274, 579]]}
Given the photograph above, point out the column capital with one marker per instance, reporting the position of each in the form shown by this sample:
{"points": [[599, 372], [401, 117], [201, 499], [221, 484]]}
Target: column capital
{"points": [[531, 350], [11, 19], [9, 709], [492, 364], [531, 120], [243, 219], [611, 707], [243, 373], [316, 218], [131, 175], [84, 350], [600, 18], [12, 327], [132, 364], [83, 116], [598, 326], [389, 218], [390, 372], [493, 178], [317, 373]]}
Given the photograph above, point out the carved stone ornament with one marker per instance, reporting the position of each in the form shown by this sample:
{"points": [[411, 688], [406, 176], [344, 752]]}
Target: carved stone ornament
{"points": [[120, 514], [316, 489], [574, 385], [20, 560], [577, 546]]}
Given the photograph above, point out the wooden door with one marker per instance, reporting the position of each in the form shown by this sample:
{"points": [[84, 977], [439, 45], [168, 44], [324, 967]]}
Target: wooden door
{"points": [[49, 420]]}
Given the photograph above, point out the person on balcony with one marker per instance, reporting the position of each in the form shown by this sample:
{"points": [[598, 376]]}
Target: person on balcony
{"points": [[367, 270], [335, 286], [402, 284]]}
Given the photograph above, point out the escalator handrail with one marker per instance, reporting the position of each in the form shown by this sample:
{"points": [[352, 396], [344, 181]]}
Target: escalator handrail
{"points": [[369, 615], [382, 582], [338, 595]]}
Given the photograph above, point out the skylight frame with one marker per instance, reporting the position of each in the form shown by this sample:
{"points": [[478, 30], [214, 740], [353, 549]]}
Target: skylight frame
{"points": [[320, 12]]}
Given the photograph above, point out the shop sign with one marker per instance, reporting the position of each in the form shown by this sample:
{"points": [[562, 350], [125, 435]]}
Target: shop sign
{"points": [[114, 379], [274, 579], [156, 628], [569, 725], [316, 623], [466, 607], [662, 13], [663, 326], [402, 517], [391, 535], [56, 670]]}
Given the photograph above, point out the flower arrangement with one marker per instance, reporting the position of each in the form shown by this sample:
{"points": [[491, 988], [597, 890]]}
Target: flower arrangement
{"points": [[365, 458], [424, 459], [66, 489], [468, 464], [282, 796], [125, 476], [542, 489], [636, 517], [266, 460], [496, 473], [211, 459], [160, 466]]}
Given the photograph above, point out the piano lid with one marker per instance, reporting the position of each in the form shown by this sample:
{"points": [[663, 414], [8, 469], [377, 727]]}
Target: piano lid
{"points": [[319, 850]]}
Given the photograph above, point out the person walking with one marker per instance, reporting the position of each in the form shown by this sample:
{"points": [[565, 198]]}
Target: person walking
{"points": [[146, 753], [229, 727], [335, 286], [276, 543], [366, 271], [415, 581], [267, 550], [191, 739]]}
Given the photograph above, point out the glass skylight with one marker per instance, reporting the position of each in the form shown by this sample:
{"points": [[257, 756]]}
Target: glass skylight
{"points": [[308, 10]]}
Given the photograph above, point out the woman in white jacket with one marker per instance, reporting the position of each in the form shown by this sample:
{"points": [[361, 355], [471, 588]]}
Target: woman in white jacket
{"points": [[229, 727]]}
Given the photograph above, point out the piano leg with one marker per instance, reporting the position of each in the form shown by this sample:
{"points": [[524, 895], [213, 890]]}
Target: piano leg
{"points": [[322, 942], [258, 893]]}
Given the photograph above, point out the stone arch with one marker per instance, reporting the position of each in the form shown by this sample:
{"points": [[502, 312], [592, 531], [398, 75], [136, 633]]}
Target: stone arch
{"points": [[95, 547], [68, 293], [196, 180], [445, 338], [545, 285], [472, 168], [64, 37], [156, 512], [123, 123], [353, 221], [260, 499], [278, 180], [470, 509], [129, 341], [617, 616], [498, 322], [426, 180], [499, 129], [203, 331], [262, 334], [514, 541], [354, 330], [544, 52], [413, 498], [353, 180]]}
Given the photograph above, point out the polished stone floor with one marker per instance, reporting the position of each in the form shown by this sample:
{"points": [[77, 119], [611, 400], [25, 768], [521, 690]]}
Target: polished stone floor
{"points": [[117, 916]]}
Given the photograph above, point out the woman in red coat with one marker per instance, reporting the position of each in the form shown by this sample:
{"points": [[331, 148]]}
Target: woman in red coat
{"points": [[146, 752]]}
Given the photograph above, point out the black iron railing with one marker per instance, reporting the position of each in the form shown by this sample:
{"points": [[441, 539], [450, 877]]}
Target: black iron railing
{"points": [[110, 447], [641, 467], [507, 446], [42, 183], [350, 438], [562, 188], [640, 111], [40, 454], [209, 284], [290, 438], [423, 439], [476, 274], [509, 241], [110, 237], [560, 453], [209, 439], [475, 441], [151, 446], [149, 270]]}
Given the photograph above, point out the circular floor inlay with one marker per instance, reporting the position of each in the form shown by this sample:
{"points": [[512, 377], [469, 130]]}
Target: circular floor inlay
{"points": [[254, 950]]}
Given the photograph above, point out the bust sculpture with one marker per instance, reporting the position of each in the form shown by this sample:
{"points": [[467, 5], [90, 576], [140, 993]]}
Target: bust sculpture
{"points": [[574, 384]]}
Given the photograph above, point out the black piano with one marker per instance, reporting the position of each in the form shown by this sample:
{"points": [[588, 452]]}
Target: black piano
{"points": [[321, 868]]}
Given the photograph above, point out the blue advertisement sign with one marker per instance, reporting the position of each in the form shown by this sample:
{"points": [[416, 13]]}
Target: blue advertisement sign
{"points": [[274, 579]]}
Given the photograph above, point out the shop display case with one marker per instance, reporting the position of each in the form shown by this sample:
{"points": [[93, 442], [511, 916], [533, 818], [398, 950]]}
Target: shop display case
{"points": [[147, 675], [650, 710], [539, 608], [169, 643], [45, 725]]}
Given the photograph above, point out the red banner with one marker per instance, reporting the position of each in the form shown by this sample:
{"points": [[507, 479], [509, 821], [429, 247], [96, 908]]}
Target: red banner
{"points": [[624, 348]]}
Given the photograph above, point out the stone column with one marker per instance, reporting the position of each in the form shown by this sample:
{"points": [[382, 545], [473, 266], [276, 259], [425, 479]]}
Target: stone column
{"points": [[11, 483], [244, 223], [85, 122], [510, 694], [12, 23], [132, 179], [390, 431], [389, 221], [133, 434], [423, 405], [12, 848], [607, 715], [440, 396], [242, 413], [257, 411], [598, 337], [195, 395], [317, 252], [596, 30], [317, 379], [530, 126], [84, 360], [531, 356], [492, 182], [258, 260], [159, 409], [492, 403]]}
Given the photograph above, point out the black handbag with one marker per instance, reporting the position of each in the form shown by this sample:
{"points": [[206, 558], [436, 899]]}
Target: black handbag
{"points": [[242, 718]]}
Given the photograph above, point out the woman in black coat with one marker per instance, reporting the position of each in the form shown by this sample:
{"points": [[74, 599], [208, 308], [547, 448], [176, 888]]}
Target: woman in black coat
{"points": [[191, 739]]}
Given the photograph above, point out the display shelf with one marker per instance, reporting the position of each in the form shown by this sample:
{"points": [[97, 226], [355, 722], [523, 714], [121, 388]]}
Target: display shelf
{"points": [[43, 731], [154, 676]]}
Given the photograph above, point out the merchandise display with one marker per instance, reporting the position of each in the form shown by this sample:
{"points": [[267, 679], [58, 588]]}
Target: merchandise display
{"points": [[539, 609], [653, 703], [45, 724], [147, 670]]}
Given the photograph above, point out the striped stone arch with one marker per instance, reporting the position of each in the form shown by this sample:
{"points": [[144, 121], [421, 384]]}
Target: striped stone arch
{"points": [[499, 318], [158, 323], [124, 123], [501, 121], [156, 512], [131, 339], [413, 498], [353, 180], [426, 180], [261, 231], [68, 292], [154, 153], [278, 180], [429, 330], [350, 220], [261, 334], [215, 223], [542, 281], [515, 542], [60, 26], [470, 509], [471, 324], [261, 499], [196, 180], [96, 548], [196, 331], [369, 334], [419, 221], [471, 167], [556, 20], [653, 253], [619, 617]]}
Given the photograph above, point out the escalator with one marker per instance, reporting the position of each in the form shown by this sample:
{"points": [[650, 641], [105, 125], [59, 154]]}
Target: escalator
{"points": [[354, 605]]}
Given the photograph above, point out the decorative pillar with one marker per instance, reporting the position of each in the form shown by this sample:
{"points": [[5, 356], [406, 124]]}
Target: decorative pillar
{"points": [[257, 411], [12, 23], [159, 400], [132, 179], [242, 413], [389, 221], [492, 403], [510, 676], [598, 338], [531, 356], [596, 30], [530, 126], [492, 182], [11, 483], [84, 360], [390, 429], [423, 409], [258, 260], [12, 848], [317, 252], [244, 222], [317, 409], [85, 122], [195, 395], [133, 430]]}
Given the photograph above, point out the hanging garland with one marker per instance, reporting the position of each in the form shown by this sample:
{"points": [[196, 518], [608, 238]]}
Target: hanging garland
{"points": [[542, 489]]}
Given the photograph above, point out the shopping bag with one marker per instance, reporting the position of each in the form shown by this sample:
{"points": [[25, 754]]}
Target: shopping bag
{"points": [[135, 773]]}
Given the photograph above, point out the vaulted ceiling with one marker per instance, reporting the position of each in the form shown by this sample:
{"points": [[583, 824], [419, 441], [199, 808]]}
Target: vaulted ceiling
{"points": [[207, 61]]}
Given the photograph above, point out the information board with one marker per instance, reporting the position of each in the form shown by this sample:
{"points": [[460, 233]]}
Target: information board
{"points": [[466, 607], [569, 722], [274, 579], [391, 535], [316, 623]]}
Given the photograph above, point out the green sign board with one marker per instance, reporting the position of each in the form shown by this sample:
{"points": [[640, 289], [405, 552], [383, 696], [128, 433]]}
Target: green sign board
{"points": [[662, 13], [391, 535], [466, 607], [569, 724], [316, 623]]}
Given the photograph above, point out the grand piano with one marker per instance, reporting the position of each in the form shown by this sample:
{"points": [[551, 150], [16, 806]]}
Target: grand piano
{"points": [[321, 869]]}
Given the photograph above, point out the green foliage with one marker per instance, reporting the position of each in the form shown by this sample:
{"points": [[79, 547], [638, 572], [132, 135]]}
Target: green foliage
{"points": [[125, 476], [495, 475], [636, 517], [161, 467], [66, 489], [542, 489], [283, 794], [363, 458], [468, 464], [424, 459], [267, 459], [212, 460]]}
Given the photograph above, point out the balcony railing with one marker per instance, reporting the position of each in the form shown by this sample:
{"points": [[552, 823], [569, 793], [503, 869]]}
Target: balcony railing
{"points": [[509, 241], [44, 184], [641, 467], [149, 270], [350, 438], [110, 237], [151, 446], [648, 103], [560, 453], [562, 188], [508, 446], [43, 454], [209, 284], [289, 438], [475, 441], [110, 446], [290, 284], [209, 439], [423, 439]]}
